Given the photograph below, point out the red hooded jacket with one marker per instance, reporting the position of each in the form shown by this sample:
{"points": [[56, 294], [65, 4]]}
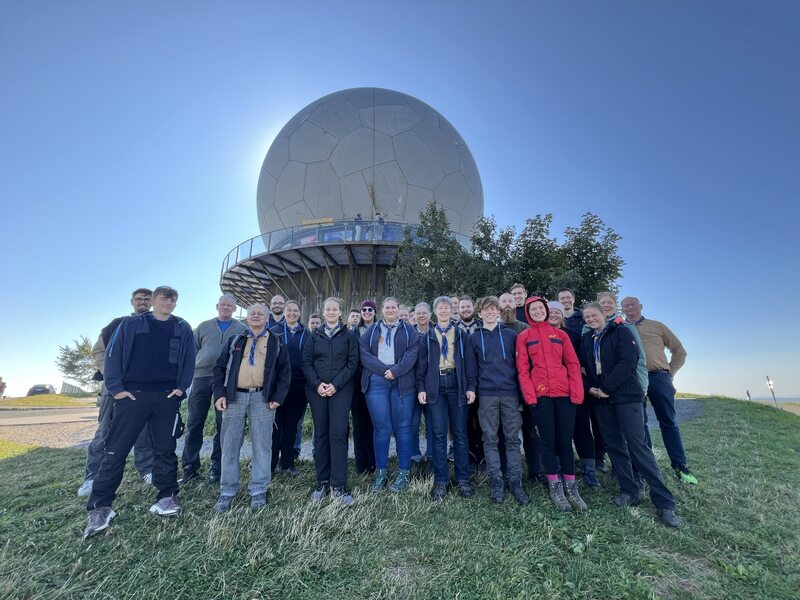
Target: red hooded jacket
{"points": [[547, 365]]}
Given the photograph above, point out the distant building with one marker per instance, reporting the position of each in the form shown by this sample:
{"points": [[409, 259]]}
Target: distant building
{"points": [[338, 186]]}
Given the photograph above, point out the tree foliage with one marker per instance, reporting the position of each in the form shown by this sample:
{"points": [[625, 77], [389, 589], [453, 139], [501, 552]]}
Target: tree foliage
{"points": [[432, 262], [75, 362]]}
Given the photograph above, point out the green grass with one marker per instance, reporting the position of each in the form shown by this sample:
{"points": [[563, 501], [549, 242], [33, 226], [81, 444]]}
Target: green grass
{"points": [[47, 400], [9, 449], [740, 539]]}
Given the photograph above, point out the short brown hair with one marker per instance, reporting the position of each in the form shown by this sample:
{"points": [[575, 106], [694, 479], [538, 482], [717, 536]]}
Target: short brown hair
{"points": [[143, 291], [490, 301], [517, 285], [166, 292]]}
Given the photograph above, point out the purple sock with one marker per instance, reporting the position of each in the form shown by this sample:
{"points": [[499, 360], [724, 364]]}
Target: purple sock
{"points": [[552, 478], [569, 477]]}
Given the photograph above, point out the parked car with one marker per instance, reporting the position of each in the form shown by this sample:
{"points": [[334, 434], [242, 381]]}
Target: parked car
{"points": [[41, 388]]}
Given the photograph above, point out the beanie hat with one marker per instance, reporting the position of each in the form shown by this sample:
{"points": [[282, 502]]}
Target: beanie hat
{"points": [[369, 303], [558, 306]]}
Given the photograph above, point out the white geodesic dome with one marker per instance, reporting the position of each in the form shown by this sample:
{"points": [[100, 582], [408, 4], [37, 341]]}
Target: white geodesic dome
{"points": [[367, 150]]}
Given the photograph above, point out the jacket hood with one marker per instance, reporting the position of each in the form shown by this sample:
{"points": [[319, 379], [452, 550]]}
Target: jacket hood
{"points": [[528, 303]]}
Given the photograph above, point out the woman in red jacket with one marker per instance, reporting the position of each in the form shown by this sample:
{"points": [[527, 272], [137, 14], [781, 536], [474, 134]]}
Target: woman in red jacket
{"points": [[550, 377]]}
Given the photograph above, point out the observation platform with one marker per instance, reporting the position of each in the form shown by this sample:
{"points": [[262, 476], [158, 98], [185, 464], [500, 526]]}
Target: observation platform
{"points": [[348, 259]]}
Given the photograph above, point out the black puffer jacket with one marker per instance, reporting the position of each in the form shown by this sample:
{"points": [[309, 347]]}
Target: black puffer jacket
{"points": [[619, 356]]}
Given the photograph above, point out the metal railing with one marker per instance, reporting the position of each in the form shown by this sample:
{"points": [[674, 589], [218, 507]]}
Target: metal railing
{"points": [[333, 232]]}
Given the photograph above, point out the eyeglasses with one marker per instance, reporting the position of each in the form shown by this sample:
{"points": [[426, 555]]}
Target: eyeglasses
{"points": [[367, 309]]}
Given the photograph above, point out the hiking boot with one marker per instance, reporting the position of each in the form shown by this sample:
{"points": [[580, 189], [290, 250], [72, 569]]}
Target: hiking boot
{"points": [[542, 479], [519, 492], [590, 478], [669, 518], [685, 475], [438, 492], [400, 482], [380, 482], [342, 495], [259, 501], [320, 491], [86, 488], [168, 506], [99, 519], [573, 496], [187, 477], [148, 478], [497, 490], [557, 495], [213, 476], [223, 504], [624, 500], [600, 465], [465, 489]]}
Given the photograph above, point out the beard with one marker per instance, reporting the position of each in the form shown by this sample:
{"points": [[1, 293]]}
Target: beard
{"points": [[508, 315]]}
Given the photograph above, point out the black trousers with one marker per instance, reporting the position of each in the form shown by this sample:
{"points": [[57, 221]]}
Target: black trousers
{"points": [[531, 442], [621, 426], [331, 418], [599, 442], [363, 446], [474, 434], [582, 434], [287, 416], [556, 424], [127, 420], [199, 402]]}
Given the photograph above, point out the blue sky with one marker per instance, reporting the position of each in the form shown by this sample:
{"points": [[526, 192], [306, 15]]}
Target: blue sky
{"points": [[132, 137]]}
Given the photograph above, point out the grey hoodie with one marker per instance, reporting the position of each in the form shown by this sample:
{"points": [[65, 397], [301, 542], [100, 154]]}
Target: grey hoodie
{"points": [[210, 341]]}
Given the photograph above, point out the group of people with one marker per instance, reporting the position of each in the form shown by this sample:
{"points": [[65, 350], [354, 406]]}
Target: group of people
{"points": [[486, 375]]}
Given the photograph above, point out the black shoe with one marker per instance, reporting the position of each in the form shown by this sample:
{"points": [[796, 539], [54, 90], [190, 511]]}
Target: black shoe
{"points": [[519, 493], [259, 501], [465, 489], [497, 493], [624, 500], [213, 477], [542, 478], [669, 518], [187, 477], [600, 465], [291, 471], [438, 492], [223, 504]]}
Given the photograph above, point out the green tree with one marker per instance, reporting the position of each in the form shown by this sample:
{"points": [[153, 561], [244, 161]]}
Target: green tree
{"points": [[75, 362], [431, 261]]}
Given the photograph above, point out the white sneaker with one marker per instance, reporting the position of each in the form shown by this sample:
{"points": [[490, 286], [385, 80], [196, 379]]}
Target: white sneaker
{"points": [[167, 507], [86, 488], [148, 478]]}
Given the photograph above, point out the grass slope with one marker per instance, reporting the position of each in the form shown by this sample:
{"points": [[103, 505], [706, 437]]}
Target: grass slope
{"points": [[46, 400], [741, 538]]}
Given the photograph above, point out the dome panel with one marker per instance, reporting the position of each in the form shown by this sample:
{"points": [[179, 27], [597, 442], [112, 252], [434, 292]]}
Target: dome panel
{"points": [[360, 150], [338, 117], [418, 163], [322, 193], [310, 143], [291, 185]]}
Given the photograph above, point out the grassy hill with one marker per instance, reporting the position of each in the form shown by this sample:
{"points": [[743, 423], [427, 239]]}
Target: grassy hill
{"points": [[740, 539]]}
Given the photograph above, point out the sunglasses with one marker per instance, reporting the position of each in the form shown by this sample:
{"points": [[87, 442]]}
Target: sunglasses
{"points": [[368, 309]]}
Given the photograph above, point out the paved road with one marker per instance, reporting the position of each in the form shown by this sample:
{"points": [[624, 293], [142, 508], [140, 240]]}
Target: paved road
{"points": [[46, 416]]}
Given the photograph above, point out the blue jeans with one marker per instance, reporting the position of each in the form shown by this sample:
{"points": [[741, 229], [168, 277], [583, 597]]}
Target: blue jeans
{"points": [[391, 413], [443, 410], [261, 419], [416, 419], [662, 396]]}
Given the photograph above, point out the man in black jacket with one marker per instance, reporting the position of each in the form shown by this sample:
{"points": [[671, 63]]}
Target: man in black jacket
{"points": [[251, 379], [141, 301]]}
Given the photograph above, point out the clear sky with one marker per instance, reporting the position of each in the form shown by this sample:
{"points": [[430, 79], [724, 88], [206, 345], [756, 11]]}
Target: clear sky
{"points": [[132, 134]]}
